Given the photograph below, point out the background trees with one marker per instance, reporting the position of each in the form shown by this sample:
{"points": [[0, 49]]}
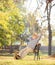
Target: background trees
{"points": [[18, 21], [45, 12]]}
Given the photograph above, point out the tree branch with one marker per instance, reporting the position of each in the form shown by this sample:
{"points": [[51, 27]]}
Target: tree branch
{"points": [[52, 5]]}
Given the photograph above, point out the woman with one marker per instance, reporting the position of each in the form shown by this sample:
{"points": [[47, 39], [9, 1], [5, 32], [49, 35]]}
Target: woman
{"points": [[36, 51]]}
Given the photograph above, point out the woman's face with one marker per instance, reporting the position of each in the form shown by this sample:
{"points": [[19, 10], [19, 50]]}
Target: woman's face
{"points": [[35, 36]]}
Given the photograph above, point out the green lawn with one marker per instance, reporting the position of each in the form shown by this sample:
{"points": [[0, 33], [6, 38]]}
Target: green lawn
{"points": [[28, 60]]}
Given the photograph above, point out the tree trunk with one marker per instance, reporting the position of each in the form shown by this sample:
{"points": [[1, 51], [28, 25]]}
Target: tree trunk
{"points": [[50, 39], [20, 47], [49, 28], [11, 46]]}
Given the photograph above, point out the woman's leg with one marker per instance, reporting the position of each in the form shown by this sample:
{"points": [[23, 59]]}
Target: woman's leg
{"points": [[35, 54], [38, 56]]}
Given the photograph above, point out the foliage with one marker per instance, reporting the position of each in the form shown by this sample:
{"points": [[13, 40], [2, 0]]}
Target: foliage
{"points": [[11, 21]]}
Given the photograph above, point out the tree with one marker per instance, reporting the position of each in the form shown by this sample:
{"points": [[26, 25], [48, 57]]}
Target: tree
{"points": [[33, 23], [11, 21], [48, 9]]}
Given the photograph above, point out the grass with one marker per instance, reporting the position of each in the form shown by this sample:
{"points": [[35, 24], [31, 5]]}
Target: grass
{"points": [[28, 60]]}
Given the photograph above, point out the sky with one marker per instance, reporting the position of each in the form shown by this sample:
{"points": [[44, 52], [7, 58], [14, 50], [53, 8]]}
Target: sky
{"points": [[31, 6]]}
